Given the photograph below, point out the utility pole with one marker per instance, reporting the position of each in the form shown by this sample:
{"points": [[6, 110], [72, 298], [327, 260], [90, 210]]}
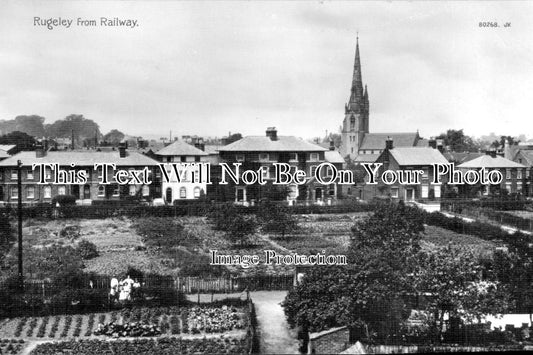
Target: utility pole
{"points": [[19, 190]]}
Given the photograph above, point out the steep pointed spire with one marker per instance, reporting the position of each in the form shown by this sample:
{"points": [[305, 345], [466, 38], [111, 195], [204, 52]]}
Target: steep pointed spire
{"points": [[357, 81]]}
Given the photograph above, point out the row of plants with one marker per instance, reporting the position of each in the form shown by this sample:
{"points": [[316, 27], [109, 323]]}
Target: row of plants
{"points": [[164, 345], [128, 330], [214, 319], [11, 346]]}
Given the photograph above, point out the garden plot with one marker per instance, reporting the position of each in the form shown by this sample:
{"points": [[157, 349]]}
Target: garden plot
{"points": [[138, 321]]}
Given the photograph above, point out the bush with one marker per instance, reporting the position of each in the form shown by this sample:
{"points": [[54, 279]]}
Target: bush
{"points": [[64, 200], [87, 250]]}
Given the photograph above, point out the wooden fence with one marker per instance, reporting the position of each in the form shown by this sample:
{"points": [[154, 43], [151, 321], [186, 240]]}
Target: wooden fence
{"points": [[235, 284], [188, 285]]}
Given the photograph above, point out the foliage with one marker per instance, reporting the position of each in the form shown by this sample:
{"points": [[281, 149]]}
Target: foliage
{"points": [[458, 141], [22, 140], [162, 232], [162, 345], [113, 137], [87, 249], [241, 227], [451, 278], [31, 125], [6, 234], [64, 200], [366, 293], [277, 219], [75, 126]]}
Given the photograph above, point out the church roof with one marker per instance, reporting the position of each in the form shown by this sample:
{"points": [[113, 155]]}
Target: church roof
{"points": [[489, 161], [377, 140], [180, 148], [417, 156], [265, 144]]}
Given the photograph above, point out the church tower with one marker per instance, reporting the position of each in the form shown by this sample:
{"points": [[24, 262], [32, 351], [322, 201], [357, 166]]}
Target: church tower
{"points": [[355, 123]]}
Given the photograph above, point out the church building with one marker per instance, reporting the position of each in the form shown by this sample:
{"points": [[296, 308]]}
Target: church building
{"points": [[357, 142]]}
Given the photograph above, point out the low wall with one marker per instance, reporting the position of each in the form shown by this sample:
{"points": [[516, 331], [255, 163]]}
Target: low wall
{"points": [[331, 341]]}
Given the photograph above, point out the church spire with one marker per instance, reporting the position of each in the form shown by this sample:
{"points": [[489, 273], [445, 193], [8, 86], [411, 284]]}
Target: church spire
{"points": [[357, 81]]}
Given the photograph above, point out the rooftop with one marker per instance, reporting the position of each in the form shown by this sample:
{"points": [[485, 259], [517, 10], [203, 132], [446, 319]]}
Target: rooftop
{"points": [[377, 140], [490, 161], [180, 148], [417, 156], [80, 158], [266, 144]]}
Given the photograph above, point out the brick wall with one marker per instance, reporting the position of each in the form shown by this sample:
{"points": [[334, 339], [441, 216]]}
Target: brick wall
{"points": [[331, 341]]}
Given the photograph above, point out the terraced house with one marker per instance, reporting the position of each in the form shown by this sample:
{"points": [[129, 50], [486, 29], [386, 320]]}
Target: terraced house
{"points": [[33, 192], [261, 152]]}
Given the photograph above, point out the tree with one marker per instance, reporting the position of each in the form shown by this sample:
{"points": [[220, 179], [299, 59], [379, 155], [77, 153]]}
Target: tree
{"points": [[6, 234], [31, 125], [241, 227], [451, 277], [114, 137], [369, 293], [458, 141], [73, 125], [22, 140], [276, 218]]}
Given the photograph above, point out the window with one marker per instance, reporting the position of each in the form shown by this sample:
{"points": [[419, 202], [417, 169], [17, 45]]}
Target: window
{"points": [[313, 157], [519, 174], [527, 173], [146, 190], [312, 170], [29, 174], [197, 159], [196, 192], [394, 192], [133, 190], [508, 173], [239, 157], [265, 172], [293, 157], [183, 159], [183, 192], [116, 190], [30, 192], [263, 157], [14, 192], [14, 175], [61, 190], [47, 192], [101, 190], [169, 159]]}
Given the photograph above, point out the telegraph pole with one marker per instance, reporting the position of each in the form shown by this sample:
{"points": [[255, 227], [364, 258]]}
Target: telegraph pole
{"points": [[19, 190]]}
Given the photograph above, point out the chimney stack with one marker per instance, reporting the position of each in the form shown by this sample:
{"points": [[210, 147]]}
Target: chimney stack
{"points": [[122, 149], [199, 143], [440, 145], [432, 143], [389, 144], [331, 144], [39, 150], [272, 133]]}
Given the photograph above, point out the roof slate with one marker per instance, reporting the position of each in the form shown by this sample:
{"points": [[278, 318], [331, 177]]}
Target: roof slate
{"points": [[377, 140], [417, 156], [80, 158], [488, 161], [180, 148], [265, 144]]}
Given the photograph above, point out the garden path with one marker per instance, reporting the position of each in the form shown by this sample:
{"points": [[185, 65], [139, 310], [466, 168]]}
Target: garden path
{"points": [[276, 337]]}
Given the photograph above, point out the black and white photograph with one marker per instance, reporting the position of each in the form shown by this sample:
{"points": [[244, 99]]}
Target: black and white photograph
{"points": [[266, 177]]}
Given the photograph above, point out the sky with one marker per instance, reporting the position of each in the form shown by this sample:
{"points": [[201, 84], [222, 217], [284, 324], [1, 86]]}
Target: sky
{"points": [[209, 68]]}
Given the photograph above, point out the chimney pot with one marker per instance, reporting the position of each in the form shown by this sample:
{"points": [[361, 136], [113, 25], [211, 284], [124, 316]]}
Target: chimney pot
{"points": [[389, 143], [122, 149], [39, 150], [272, 133]]}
